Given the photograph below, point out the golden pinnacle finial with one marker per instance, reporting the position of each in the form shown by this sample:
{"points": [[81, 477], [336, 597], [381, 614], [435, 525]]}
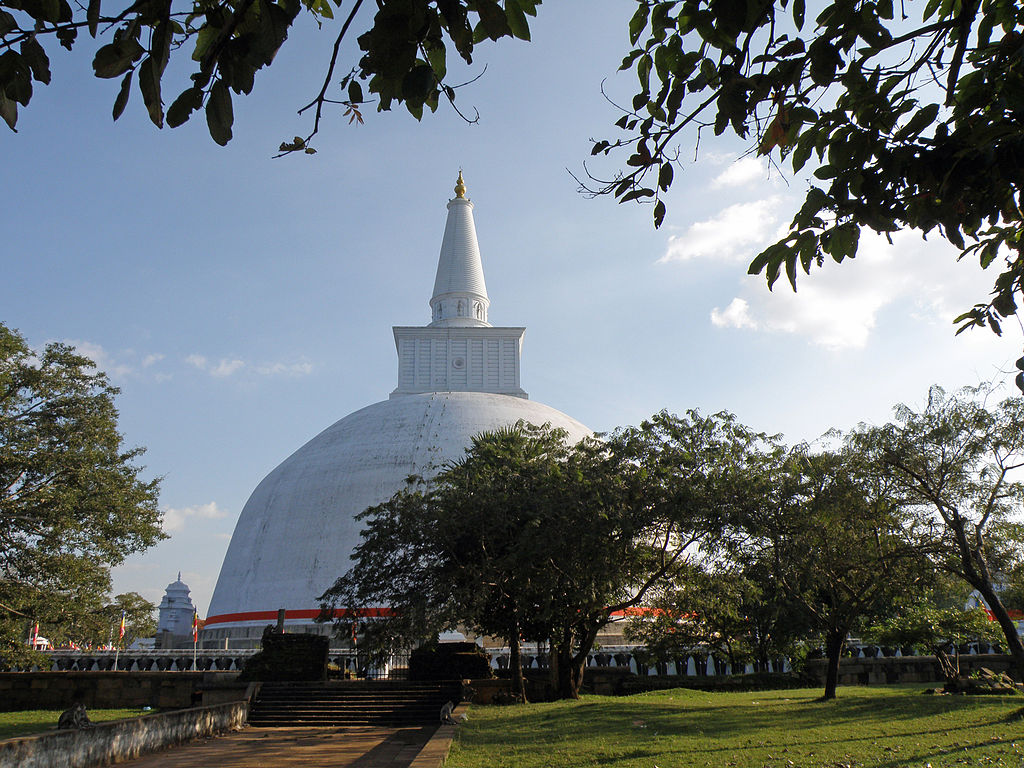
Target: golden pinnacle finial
{"points": [[460, 187]]}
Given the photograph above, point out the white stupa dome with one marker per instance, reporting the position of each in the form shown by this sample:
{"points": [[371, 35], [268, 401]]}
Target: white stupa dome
{"points": [[457, 377]]}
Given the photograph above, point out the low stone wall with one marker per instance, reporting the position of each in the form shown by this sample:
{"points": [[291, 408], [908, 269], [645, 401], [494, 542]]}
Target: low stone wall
{"points": [[486, 690], [603, 681], [905, 669], [606, 681], [109, 690], [120, 740]]}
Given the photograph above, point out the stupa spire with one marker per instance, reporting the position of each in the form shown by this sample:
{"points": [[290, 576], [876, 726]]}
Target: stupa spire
{"points": [[460, 294], [459, 351]]}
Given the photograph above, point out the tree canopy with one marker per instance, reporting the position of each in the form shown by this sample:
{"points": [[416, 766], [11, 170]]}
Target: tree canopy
{"points": [[404, 51], [737, 612], [910, 116], [957, 462], [838, 547], [529, 537], [938, 631], [72, 499]]}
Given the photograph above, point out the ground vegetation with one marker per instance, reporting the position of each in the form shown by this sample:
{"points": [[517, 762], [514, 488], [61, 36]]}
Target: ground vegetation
{"points": [[30, 722], [867, 726]]}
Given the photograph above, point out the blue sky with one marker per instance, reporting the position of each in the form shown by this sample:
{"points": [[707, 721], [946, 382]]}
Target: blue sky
{"points": [[243, 303]]}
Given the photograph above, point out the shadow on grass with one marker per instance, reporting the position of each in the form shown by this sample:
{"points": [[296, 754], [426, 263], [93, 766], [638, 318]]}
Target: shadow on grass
{"points": [[744, 722], [1014, 717], [632, 755]]}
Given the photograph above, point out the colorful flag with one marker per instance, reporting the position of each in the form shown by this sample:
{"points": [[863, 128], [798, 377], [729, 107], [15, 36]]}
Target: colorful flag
{"points": [[35, 634], [120, 631], [195, 626]]}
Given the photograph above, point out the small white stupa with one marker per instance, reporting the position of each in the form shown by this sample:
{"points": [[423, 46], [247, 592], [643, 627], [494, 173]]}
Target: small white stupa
{"points": [[457, 377], [174, 625]]}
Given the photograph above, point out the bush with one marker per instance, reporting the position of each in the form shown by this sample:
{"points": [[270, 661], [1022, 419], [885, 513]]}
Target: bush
{"points": [[288, 657], [758, 681], [449, 661]]}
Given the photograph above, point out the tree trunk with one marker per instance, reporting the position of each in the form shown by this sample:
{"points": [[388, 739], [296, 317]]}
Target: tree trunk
{"points": [[976, 572], [515, 653], [950, 666], [834, 641], [569, 677], [1014, 645]]}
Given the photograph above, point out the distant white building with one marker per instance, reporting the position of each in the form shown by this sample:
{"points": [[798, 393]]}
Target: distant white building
{"points": [[174, 626], [457, 376]]}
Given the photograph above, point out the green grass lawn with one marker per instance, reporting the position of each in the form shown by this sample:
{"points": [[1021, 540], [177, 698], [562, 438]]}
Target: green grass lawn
{"points": [[33, 721], [877, 726]]}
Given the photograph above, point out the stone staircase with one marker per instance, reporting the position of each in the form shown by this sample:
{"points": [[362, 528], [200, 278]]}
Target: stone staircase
{"points": [[356, 703]]}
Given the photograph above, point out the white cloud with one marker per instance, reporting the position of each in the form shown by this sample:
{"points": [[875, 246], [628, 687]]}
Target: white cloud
{"points": [[112, 365], [176, 518], [838, 306], [732, 234], [149, 360], [228, 366], [736, 315], [285, 369], [221, 369], [744, 171]]}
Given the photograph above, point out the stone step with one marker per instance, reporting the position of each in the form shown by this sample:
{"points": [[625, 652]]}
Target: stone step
{"points": [[329, 722], [333, 704], [352, 696]]}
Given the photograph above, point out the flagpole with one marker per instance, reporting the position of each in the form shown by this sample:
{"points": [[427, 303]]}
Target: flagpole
{"points": [[120, 638], [195, 638]]}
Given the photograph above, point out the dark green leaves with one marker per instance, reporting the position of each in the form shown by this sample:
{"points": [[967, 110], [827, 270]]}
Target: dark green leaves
{"points": [[405, 49], [188, 102], [825, 61], [799, 9], [355, 92], [34, 55], [494, 24], [15, 78], [638, 22], [417, 83], [842, 96], [515, 16], [92, 16], [665, 177], [114, 59], [921, 119], [8, 111], [219, 115], [17, 71], [122, 95], [149, 84]]}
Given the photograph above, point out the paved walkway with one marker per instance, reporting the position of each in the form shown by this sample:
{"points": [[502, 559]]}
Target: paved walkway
{"points": [[306, 747]]}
